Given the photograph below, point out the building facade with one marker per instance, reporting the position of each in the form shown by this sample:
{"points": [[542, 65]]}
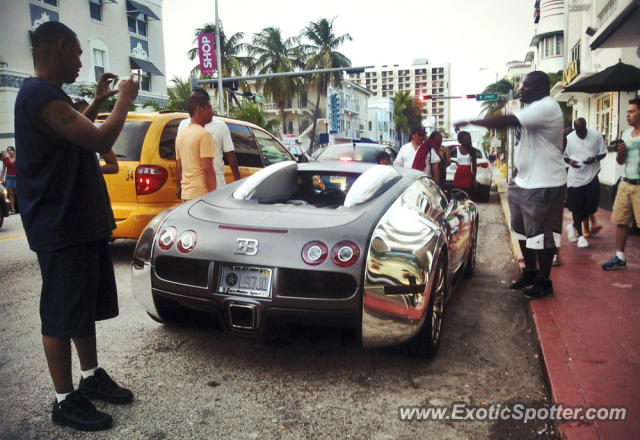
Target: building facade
{"points": [[380, 126], [517, 70], [348, 114], [418, 79], [548, 40], [120, 37]]}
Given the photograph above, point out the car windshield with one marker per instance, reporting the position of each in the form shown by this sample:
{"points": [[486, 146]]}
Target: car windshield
{"points": [[347, 152], [324, 189]]}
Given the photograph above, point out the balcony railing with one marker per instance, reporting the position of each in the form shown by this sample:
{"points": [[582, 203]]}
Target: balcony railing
{"points": [[606, 12]]}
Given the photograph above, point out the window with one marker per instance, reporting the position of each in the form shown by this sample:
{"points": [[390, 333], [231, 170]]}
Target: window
{"points": [[272, 150], [290, 127], [128, 145], [604, 112], [49, 2], [246, 150], [168, 140], [370, 126], [95, 9], [553, 46], [137, 23], [143, 78], [98, 62], [303, 100]]}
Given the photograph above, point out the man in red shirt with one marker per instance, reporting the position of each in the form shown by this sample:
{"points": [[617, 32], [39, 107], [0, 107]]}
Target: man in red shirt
{"points": [[9, 161]]}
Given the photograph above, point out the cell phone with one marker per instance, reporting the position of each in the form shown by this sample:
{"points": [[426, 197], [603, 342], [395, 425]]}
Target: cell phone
{"points": [[117, 80]]}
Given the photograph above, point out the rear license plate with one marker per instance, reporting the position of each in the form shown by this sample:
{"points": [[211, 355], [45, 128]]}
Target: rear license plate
{"points": [[236, 279]]}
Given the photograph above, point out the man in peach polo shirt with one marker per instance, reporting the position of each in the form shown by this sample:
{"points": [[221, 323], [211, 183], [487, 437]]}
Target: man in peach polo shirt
{"points": [[194, 153]]}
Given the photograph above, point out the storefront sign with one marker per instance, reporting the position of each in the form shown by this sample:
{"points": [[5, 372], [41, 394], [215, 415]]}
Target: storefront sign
{"points": [[206, 51]]}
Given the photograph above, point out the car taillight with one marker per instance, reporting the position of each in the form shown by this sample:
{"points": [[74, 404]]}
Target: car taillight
{"points": [[314, 252], [345, 253], [149, 179], [484, 165], [346, 158], [167, 237], [187, 241]]}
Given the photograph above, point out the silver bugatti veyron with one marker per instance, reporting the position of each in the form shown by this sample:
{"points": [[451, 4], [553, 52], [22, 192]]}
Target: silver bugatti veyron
{"points": [[372, 247]]}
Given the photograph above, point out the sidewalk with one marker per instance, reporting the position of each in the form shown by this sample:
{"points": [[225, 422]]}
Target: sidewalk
{"points": [[589, 331]]}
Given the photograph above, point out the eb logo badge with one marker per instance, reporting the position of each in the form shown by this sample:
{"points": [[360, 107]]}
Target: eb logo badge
{"points": [[246, 246]]}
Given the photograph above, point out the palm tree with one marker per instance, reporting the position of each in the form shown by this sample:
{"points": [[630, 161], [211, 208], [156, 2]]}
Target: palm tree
{"points": [[321, 53], [233, 64], [253, 113], [406, 114], [179, 93], [272, 54]]}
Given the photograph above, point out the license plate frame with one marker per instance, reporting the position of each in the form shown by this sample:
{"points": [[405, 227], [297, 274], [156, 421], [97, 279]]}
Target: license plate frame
{"points": [[245, 280]]}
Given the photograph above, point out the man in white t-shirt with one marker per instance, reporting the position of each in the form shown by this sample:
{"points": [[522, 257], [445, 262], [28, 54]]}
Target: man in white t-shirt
{"points": [[537, 191], [222, 143], [406, 157], [585, 149]]}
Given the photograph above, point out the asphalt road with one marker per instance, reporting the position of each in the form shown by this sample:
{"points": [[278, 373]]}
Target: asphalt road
{"points": [[203, 384]]}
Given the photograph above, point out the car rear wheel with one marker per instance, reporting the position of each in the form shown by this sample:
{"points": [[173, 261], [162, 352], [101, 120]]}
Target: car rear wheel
{"points": [[427, 341]]}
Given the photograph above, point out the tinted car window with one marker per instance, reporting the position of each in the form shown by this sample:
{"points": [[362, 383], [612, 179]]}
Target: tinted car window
{"points": [[129, 143], [272, 151], [359, 154], [168, 140], [246, 150]]}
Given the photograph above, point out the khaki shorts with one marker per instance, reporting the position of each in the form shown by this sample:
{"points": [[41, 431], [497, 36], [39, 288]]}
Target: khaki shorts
{"points": [[626, 205]]}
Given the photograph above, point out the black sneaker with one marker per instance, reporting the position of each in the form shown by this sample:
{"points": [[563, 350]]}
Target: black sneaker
{"points": [[76, 411], [527, 279], [100, 386], [541, 288]]}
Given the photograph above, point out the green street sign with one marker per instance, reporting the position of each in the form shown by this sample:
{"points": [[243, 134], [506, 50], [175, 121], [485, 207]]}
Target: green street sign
{"points": [[487, 97], [259, 98]]}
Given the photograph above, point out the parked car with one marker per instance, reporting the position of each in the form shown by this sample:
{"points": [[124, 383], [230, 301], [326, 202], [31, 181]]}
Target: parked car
{"points": [[484, 172], [5, 204], [358, 152], [371, 247], [146, 182]]}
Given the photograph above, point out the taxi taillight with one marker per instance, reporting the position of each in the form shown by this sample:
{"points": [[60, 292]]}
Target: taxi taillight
{"points": [[149, 179]]}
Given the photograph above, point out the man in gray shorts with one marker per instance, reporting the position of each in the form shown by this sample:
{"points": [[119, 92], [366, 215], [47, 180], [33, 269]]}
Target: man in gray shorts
{"points": [[537, 191]]}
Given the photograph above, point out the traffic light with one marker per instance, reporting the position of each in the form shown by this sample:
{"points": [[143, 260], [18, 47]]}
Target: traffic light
{"points": [[231, 85], [469, 97], [425, 97]]}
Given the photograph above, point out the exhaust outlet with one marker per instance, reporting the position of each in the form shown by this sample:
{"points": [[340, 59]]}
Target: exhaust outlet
{"points": [[243, 316]]}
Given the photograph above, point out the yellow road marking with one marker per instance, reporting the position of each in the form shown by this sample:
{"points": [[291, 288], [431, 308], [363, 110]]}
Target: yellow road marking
{"points": [[12, 236]]}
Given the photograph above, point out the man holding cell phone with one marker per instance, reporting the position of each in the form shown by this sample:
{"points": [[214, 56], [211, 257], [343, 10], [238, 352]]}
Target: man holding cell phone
{"points": [[67, 218]]}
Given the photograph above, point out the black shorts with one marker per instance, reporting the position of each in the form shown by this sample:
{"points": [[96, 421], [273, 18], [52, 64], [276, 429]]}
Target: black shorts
{"points": [[78, 288], [584, 200]]}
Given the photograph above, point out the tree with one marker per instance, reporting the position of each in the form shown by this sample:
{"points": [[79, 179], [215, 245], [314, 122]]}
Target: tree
{"points": [[253, 113], [232, 63], [179, 94], [321, 53], [107, 106], [272, 54], [406, 114], [502, 87]]}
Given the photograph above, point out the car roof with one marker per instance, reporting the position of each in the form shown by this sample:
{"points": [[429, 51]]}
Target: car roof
{"points": [[380, 147], [170, 115]]}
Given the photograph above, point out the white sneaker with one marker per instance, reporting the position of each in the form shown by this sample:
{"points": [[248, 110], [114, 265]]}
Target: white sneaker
{"points": [[582, 242], [572, 234]]}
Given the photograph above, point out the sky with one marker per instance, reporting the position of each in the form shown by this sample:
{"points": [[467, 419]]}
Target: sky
{"points": [[469, 34]]}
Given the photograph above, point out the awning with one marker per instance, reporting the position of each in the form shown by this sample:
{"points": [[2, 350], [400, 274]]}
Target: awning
{"points": [[537, 38], [623, 31], [147, 66], [137, 7]]}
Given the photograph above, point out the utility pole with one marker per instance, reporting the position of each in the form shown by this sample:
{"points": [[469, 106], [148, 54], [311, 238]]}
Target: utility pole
{"points": [[219, 62]]}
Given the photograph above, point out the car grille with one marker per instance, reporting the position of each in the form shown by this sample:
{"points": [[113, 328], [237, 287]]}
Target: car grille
{"points": [[182, 270], [313, 284]]}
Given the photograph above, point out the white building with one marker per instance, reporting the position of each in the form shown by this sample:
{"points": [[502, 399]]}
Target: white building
{"points": [[420, 79], [548, 41], [380, 126], [598, 35], [348, 112], [517, 70], [121, 37]]}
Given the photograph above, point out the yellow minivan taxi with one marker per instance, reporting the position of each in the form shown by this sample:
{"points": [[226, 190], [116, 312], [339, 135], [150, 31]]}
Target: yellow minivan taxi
{"points": [[145, 184]]}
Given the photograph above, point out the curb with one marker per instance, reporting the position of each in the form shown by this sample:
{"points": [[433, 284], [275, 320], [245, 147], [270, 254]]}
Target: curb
{"points": [[515, 246]]}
